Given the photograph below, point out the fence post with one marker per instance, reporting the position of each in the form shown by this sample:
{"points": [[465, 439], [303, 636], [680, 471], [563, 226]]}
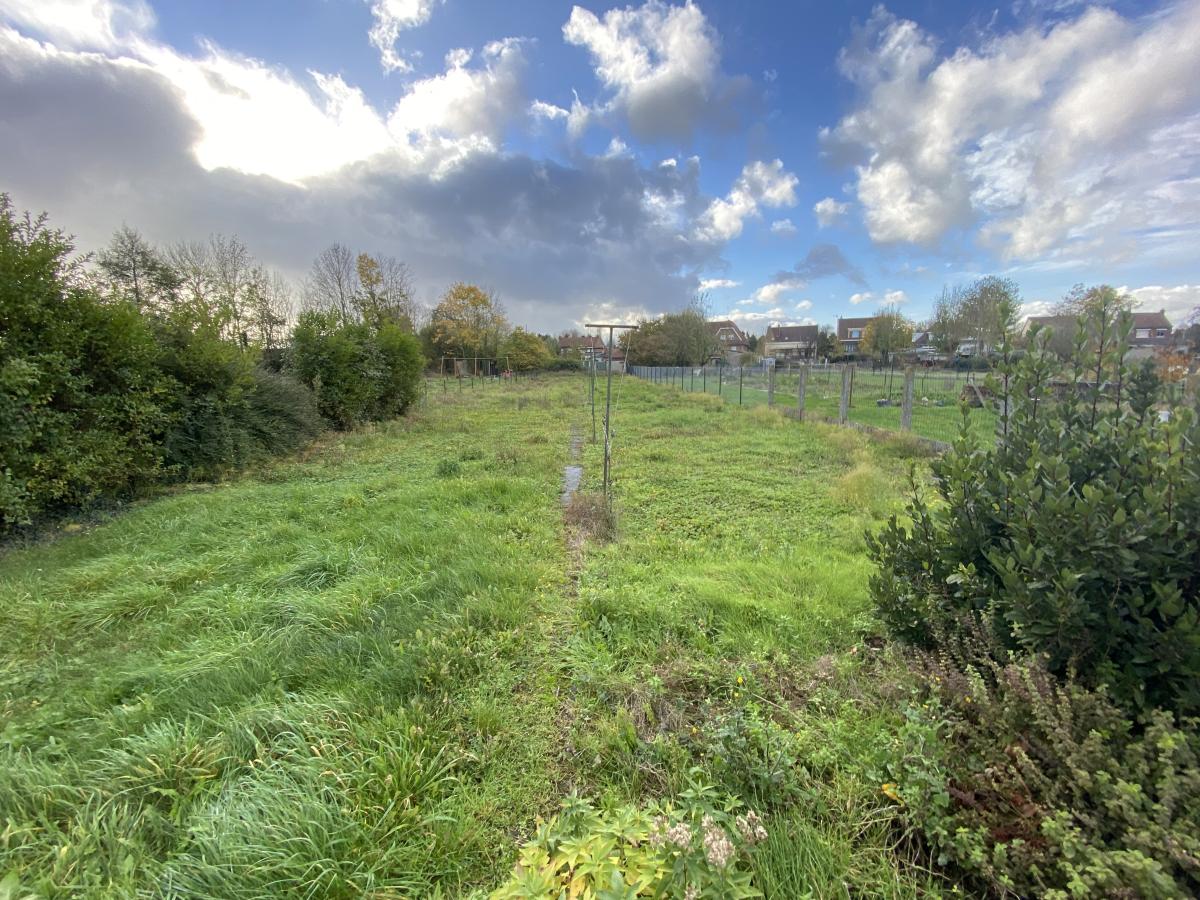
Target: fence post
{"points": [[844, 406], [704, 379], [771, 386], [910, 377], [802, 386], [721, 381], [741, 372]]}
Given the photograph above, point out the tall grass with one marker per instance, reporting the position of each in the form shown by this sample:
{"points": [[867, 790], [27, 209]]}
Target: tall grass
{"points": [[367, 671]]}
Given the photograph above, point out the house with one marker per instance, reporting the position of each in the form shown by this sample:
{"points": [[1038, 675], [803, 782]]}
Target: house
{"points": [[1151, 330], [730, 338], [790, 342], [588, 345], [850, 333]]}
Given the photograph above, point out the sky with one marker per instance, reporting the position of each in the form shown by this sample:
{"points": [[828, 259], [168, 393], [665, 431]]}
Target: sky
{"points": [[794, 162]]}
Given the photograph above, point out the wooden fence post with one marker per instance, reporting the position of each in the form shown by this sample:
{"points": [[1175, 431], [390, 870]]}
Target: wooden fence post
{"points": [[771, 386], [801, 388], [844, 406], [910, 377]]}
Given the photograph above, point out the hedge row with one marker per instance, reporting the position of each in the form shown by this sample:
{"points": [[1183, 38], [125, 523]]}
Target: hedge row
{"points": [[98, 399]]}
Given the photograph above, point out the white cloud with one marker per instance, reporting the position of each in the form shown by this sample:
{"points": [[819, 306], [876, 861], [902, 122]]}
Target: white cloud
{"points": [[542, 110], [661, 64], [1181, 302], [1078, 139], [861, 297], [773, 291], [783, 226], [262, 120], [716, 284], [760, 184], [802, 306], [829, 211], [390, 17], [82, 24], [895, 298]]}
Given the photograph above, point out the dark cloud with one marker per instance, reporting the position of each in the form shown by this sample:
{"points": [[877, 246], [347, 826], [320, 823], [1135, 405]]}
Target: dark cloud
{"points": [[97, 143], [822, 261]]}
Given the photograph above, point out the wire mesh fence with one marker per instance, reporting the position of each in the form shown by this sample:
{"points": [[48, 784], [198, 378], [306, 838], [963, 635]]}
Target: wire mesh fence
{"points": [[845, 393]]}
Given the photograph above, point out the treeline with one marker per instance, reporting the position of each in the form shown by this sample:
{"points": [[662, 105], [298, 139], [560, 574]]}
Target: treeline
{"points": [[146, 365]]}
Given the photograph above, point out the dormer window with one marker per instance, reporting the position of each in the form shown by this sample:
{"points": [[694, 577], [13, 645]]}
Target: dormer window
{"points": [[1143, 333]]}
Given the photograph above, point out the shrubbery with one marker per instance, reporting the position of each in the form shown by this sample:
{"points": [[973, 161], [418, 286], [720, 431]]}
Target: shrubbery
{"points": [[98, 397], [357, 373], [80, 392], [1040, 787], [1076, 535], [1053, 586], [696, 849]]}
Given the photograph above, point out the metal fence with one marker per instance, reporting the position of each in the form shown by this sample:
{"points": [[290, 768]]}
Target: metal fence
{"points": [[924, 401]]}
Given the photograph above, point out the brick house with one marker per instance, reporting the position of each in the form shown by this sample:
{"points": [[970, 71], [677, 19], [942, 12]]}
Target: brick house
{"points": [[850, 333], [730, 338]]}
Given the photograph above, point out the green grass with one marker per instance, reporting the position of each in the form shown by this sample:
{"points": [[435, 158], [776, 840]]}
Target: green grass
{"points": [[936, 411], [368, 670]]}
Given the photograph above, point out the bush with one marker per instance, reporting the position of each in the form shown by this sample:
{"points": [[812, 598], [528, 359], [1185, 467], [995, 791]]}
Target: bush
{"points": [[79, 391], [211, 382], [694, 850], [1075, 536], [357, 373], [564, 364], [1046, 789], [280, 414]]}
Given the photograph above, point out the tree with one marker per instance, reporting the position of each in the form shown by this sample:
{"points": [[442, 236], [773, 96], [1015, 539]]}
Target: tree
{"points": [[676, 339], [889, 332], [384, 292], [134, 270], [526, 351], [827, 342], [269, 303], [333, 282], [468, 322], [979, 313], [232, 271]]}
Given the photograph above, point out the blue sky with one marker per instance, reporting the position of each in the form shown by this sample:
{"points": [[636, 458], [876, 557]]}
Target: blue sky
{"points": [[796, 161]]}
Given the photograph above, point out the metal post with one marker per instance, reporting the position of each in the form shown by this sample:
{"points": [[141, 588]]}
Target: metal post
{"points": [[608, 402], [592, 367], [771, 386], [703, 379], [802, 386], [741, 373], [906, 408], [720, 380], [844, 406]]}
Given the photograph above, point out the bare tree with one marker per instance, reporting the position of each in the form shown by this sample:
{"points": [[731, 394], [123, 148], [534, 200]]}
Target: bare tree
{"points": [[269, 301], [192, 264], [333, 282], [232, 271]]}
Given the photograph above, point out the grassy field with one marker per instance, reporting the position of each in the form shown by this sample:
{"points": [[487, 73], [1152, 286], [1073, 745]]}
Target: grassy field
{"points": [[369, 670], [936, 411]]}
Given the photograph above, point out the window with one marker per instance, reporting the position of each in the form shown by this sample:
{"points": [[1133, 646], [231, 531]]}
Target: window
{"points": [[1143, 333], [1162, 332], [855, 334]]}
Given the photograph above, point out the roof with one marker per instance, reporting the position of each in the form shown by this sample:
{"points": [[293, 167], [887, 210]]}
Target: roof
{"points": [[1151, 320], [793, 333], [580, 342], [1068, 322], [844, 326], [717, 326], [922, 338]]}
